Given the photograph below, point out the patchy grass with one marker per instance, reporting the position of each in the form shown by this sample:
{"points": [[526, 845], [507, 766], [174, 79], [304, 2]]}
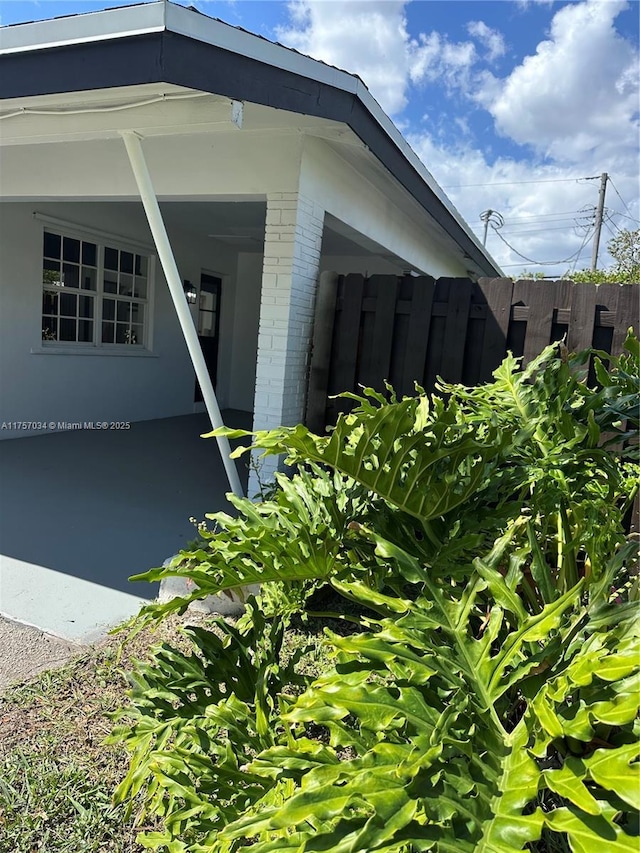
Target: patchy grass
{"points": [[56, 773]]}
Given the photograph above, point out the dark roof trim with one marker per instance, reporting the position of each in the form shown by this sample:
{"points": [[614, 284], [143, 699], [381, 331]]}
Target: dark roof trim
{"points": [[167, 57]]}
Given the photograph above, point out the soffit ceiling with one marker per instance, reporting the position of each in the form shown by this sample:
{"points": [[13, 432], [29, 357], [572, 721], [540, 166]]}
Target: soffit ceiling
{"points": [[240, 224]]}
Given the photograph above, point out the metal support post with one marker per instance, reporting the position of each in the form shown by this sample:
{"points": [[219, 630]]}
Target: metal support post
{"points": [[165, 253]]}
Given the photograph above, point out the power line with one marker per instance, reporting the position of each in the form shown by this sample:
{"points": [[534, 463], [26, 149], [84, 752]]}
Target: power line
{"points": [[510, 183], [504, 266], [631, 216], [608, 219], [538, 230], [546, 263], [553, 225], [570, 214], [618, 213], [532, 227], [578, 253], [552, 222]]}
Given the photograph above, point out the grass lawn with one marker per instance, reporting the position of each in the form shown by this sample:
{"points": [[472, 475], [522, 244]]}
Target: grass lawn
{"points": [[56, 773]]}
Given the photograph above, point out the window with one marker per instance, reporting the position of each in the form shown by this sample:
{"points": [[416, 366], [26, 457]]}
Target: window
{"points": [[93, 294]]}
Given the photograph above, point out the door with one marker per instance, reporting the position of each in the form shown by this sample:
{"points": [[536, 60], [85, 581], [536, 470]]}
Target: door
{"points": [[209, 326]]}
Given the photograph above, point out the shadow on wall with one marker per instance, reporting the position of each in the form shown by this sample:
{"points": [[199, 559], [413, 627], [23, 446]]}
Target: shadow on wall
{"points": [[103, 505]]}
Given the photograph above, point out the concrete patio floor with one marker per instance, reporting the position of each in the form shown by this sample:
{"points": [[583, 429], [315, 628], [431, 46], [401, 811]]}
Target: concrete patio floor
{"points": [[81, 511]]}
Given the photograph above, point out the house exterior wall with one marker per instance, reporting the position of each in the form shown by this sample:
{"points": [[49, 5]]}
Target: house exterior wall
{"points": [[235, 164], [38, 385], [267, 305], [344, 192]]}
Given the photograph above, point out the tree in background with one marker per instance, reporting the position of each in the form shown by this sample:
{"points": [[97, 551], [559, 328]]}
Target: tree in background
{"points": [[624, 248]]}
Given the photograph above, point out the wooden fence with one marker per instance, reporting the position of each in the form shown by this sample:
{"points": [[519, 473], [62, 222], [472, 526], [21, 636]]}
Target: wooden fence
{"points": [[414, 329]]}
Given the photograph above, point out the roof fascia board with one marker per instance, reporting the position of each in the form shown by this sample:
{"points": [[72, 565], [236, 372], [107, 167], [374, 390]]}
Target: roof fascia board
{"points": [[196, 26], [76, 29], [156, 17]]}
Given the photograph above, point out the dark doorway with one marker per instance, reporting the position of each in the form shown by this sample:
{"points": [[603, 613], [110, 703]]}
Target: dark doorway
{"points": [[209, 326]]}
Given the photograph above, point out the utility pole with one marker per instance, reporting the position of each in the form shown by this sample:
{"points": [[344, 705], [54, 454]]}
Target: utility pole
{"points": [[485, 217], [604, 177], [491, 216]]}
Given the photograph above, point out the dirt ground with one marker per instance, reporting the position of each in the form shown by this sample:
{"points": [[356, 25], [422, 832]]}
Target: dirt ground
{"points": [[26, 651]]}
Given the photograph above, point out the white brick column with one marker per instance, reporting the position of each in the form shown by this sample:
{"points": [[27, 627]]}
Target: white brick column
{"points": [[293, 240]]}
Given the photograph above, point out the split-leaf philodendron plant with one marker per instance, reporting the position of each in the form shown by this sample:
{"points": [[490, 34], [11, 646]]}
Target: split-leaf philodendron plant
{"points": [[486, 698]]}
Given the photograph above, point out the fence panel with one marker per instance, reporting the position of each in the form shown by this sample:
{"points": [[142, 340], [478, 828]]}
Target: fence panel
{"points": [[414, 329]]}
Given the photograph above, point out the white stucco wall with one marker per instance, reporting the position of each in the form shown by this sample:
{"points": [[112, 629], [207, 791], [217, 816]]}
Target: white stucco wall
{"points": [[36, 385], [352, 198]]}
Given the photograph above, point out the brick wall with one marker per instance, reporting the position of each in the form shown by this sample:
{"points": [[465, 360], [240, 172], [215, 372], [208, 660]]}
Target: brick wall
{"points": [[293, 241]]}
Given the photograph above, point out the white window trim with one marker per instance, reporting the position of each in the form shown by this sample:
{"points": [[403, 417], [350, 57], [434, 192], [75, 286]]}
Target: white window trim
{"points": [[83, 230], [115, 241]]}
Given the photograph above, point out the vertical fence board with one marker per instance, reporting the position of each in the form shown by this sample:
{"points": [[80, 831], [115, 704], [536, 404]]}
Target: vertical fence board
{"points": [[436, 342], [319, 369], [540, 301], [583, 317], [606, 300], [375, 369], [418, 334], [634, 522], [345, 372], [455, 331], [498, 293], [474, 338], [347, 340], [562, 302], [626, 315]]}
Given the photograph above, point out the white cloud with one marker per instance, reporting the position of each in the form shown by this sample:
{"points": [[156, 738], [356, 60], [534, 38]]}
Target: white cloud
{"points": [[366, 37], [433, 57], [369, 38], [425, 56], [578, 93], [572, 106], [525, 3], [490, 38]]}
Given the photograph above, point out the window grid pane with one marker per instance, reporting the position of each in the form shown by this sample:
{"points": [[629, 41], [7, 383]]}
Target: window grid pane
{"points": [[128, 327], [67, 317], [73, 276], [108, 332], [52, 245]]}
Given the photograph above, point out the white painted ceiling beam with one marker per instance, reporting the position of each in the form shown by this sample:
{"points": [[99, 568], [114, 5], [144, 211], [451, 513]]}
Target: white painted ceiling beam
{"points": [[166, 116]]}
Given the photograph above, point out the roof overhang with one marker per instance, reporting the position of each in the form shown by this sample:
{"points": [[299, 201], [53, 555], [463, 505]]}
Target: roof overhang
{"points": [[162, 43]]}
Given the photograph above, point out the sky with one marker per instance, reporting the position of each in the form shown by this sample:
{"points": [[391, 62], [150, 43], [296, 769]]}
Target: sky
{"points": [[516, 107]]}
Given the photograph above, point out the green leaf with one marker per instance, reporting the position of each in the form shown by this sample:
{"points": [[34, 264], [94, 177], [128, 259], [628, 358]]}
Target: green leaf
{"points": [[617, 770], [589, 833], [508, 829], [568, 783]]}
